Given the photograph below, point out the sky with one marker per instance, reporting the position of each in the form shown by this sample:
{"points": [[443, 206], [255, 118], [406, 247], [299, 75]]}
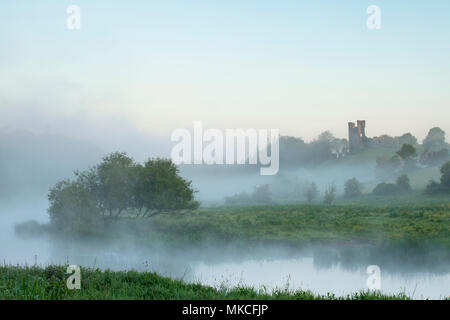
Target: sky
{"points": [[138, 70]]}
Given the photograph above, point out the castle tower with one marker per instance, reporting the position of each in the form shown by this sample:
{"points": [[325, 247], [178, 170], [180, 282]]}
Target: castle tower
{"points": [[356, 135], [362, 128]]}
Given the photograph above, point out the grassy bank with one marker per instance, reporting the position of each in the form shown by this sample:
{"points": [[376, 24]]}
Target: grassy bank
{"points": [[50, 283], [307, 223]]}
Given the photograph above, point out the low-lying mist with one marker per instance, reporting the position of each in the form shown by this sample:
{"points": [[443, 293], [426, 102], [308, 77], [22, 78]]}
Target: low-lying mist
{"points": [[337, 268]]}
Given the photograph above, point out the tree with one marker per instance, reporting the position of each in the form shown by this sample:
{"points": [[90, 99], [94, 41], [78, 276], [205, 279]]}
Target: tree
{"points": [[115, 186], [445, 178], [112, 182], [433, 158], [435, 140], [407, 152], [73, 209], [352, 188], [311, 192], [160, 189], [330, 195], [403, 184], [293, 151], [385, 189], [444, 187], [321, 149], [407, 138]]}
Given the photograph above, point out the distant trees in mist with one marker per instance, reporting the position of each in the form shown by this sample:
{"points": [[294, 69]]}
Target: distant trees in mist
{"points": [[401, 186], [295, 152], [330, 195], [444, 186], [261, 195], [311, 192], [352, 188]]}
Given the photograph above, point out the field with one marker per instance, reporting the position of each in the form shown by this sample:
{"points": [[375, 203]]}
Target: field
{"points": [[299, 224], [50, 283], [409, 230]]}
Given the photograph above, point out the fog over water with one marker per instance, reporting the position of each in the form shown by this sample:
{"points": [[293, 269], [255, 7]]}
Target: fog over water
{"points": [[319, 269], [71, 95]]}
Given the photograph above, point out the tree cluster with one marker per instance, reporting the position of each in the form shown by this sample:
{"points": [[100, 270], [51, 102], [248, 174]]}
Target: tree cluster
{"points": [[401, 186], [116, 187], [261, 195], [444, 186]]}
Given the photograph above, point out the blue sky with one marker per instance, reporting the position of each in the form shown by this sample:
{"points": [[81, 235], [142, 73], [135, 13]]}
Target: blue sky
{"points": [[154, 66]]}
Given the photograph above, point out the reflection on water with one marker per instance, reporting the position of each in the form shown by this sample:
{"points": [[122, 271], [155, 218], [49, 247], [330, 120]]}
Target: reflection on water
{"points": [[320, 270], [302, 273]]}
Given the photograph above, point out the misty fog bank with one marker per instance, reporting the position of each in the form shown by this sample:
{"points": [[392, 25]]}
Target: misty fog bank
{"points": [[322, 269]]}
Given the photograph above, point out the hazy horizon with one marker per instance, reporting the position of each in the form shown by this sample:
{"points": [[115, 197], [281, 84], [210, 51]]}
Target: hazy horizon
{"points": [[133, 74]]}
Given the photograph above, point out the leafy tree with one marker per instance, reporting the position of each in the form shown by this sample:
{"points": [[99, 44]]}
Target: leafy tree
{"points": [[444, 187], [115, 186], [407, 138], [160, 189], [402, 185], [321, 149], [311, 192], [330, 195], [73, 209], [293, 152], [445, 178], [352, 188], [432, 158], [435, 140], [407, 152], [112, 182]]}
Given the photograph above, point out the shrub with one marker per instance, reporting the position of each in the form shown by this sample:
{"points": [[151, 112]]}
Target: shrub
{"points": [[238, 199], [444, 187], [403, 184], [352, 188], [433, 187], [29, 228], [330, 195], [311, 192], [385, 189]]}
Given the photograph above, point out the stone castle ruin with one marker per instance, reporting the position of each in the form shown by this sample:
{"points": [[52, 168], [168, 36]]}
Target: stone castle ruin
{"points": [[357, 139]]}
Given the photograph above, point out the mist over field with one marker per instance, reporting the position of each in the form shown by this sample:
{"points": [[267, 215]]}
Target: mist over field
{"points": [[346, 106], [33, 163]]}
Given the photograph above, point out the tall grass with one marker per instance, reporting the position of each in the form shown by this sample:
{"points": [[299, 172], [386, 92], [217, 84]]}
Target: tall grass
{"points": [[35, 283]]}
